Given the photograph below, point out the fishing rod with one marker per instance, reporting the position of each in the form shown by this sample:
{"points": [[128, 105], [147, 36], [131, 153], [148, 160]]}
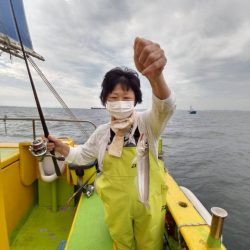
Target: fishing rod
{"points": [[83, 187], [45, 128]]}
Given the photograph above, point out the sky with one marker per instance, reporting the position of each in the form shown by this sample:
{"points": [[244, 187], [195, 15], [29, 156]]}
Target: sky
{"points": [[207, 44]]}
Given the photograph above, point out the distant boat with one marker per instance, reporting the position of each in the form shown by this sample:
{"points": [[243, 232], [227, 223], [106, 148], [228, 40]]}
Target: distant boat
{"points": [[97, 108], [192, 111]]}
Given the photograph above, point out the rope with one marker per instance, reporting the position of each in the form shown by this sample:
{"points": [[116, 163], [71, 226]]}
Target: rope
{"points": [[52, 89]]}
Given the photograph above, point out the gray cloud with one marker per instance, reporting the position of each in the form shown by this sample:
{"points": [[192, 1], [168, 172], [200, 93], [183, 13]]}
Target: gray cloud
{"points": [[207, 44]]}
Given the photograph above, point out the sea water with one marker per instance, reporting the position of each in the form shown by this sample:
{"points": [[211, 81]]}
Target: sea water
{"points": [[207, 152]]}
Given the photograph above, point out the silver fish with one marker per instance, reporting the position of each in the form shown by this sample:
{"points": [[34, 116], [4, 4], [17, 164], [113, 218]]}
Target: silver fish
{"points": [[142, 159]]}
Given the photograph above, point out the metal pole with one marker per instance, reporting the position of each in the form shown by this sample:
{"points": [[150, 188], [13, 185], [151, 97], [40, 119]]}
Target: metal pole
{"points": [[34, 129], [218, 217], [5, 127]]}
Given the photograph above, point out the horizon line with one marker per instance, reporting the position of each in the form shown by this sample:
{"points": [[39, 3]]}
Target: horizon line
{"points": [[101, 107]]}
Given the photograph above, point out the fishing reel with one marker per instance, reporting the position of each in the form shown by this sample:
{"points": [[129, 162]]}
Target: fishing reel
{"points": [[38, 147], [86, 187]]}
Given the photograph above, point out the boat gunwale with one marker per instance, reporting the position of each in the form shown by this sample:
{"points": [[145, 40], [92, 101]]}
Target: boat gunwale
{"points": [[11, 157]]}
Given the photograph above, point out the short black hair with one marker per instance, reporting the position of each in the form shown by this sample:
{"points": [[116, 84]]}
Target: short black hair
{"points": [[125, 76]]}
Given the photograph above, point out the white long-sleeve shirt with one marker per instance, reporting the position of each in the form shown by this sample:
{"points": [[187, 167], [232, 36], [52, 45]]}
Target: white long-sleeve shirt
{"points": [[151, 123]]}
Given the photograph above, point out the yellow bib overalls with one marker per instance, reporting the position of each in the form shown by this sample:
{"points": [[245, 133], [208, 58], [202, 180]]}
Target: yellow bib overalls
{"points": [[130, 223]]}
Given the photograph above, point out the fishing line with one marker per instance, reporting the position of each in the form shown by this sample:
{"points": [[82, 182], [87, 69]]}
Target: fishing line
{"points": [[45, 128], [54, 92]]}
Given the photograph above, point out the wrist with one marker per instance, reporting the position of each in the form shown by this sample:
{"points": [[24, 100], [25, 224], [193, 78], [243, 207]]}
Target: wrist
{"points": [[158, 82], [160, 87], [62, 148], [157, 79], [65, 150]]}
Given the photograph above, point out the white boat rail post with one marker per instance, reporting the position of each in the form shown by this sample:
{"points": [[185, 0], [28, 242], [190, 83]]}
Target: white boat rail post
{"points": [[218, 217]]}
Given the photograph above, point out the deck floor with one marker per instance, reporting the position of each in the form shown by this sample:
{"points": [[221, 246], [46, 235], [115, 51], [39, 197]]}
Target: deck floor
{"points": [[89, 230], [44, 229]]}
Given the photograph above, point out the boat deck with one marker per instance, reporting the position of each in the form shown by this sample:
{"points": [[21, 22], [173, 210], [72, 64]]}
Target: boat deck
{"points": [[43, 229], [89, 230]]}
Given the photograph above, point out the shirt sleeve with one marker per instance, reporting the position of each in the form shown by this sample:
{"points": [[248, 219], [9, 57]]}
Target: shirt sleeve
{"points": [[83, 154], [93, 149], [157, 118]]}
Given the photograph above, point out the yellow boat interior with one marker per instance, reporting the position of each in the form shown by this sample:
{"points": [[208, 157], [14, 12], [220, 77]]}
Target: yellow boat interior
{"points": [[36, 215]]}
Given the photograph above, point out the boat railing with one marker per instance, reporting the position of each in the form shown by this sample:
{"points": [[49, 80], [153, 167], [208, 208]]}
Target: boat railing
{"points": [[34, 119]]}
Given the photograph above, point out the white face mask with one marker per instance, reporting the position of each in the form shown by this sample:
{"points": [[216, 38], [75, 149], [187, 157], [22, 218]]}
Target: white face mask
{"points": [[120, 109]]}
